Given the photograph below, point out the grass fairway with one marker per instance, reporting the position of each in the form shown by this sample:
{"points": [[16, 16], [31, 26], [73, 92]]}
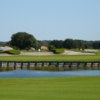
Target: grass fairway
{"points": [[64, 88], [51, 58]]}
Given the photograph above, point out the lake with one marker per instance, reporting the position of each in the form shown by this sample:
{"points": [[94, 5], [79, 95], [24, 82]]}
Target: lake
{"points": [[30, 73]]}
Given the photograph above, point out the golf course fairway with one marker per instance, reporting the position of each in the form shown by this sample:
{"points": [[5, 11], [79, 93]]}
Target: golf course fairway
{"points": [[57, 88]]}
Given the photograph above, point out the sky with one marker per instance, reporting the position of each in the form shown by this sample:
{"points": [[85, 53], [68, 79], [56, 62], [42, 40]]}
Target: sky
{"points": [[50, 19]]}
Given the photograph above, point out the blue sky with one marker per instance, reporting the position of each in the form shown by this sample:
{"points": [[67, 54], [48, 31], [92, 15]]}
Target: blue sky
{"points": [[50, 19]]}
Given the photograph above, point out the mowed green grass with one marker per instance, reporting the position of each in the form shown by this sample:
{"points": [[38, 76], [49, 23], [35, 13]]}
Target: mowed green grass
{"points": [[51, 58], [61, 88]]}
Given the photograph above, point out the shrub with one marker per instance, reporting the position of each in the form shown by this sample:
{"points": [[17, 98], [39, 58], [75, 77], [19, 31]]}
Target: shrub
{"points": [[51, 47], [1, 51], [15, 52], [58, 51]]}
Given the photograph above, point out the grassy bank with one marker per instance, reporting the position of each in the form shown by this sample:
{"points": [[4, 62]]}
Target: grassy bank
{"points": [[51, 58], [67, 88]]}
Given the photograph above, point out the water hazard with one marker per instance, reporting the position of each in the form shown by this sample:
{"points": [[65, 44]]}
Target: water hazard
{"points": [[30, 73]]}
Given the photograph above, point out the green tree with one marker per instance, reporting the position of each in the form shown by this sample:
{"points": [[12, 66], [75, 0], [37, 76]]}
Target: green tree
{"points": [[68, 43], [80, 44], [23, 40], [96, 44], [56, 43]]}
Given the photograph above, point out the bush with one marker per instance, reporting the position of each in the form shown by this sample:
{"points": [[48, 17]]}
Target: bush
{"points": [[14, 52], [1, 51], [51, 47], [58, 51]]}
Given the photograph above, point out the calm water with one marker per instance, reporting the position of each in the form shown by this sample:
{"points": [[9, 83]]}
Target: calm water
{"points": [[30, 73]]}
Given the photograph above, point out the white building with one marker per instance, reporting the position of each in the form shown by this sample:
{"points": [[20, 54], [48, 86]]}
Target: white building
{"points": [[6, 48]]}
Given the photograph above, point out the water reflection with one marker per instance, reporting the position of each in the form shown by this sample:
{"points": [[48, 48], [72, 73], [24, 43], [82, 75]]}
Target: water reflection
{"points": [[30, 73]]}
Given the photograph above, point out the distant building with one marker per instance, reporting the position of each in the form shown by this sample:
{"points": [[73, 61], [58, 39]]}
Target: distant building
{"points": [[5, 48], [44, 48]]}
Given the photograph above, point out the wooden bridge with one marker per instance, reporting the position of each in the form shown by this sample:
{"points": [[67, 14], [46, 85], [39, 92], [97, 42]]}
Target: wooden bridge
{"points": [[49, 64]]}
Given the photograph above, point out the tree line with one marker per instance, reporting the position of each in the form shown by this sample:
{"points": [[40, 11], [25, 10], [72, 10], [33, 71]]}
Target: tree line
{"points": [[73, 44], [23, 40]]}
